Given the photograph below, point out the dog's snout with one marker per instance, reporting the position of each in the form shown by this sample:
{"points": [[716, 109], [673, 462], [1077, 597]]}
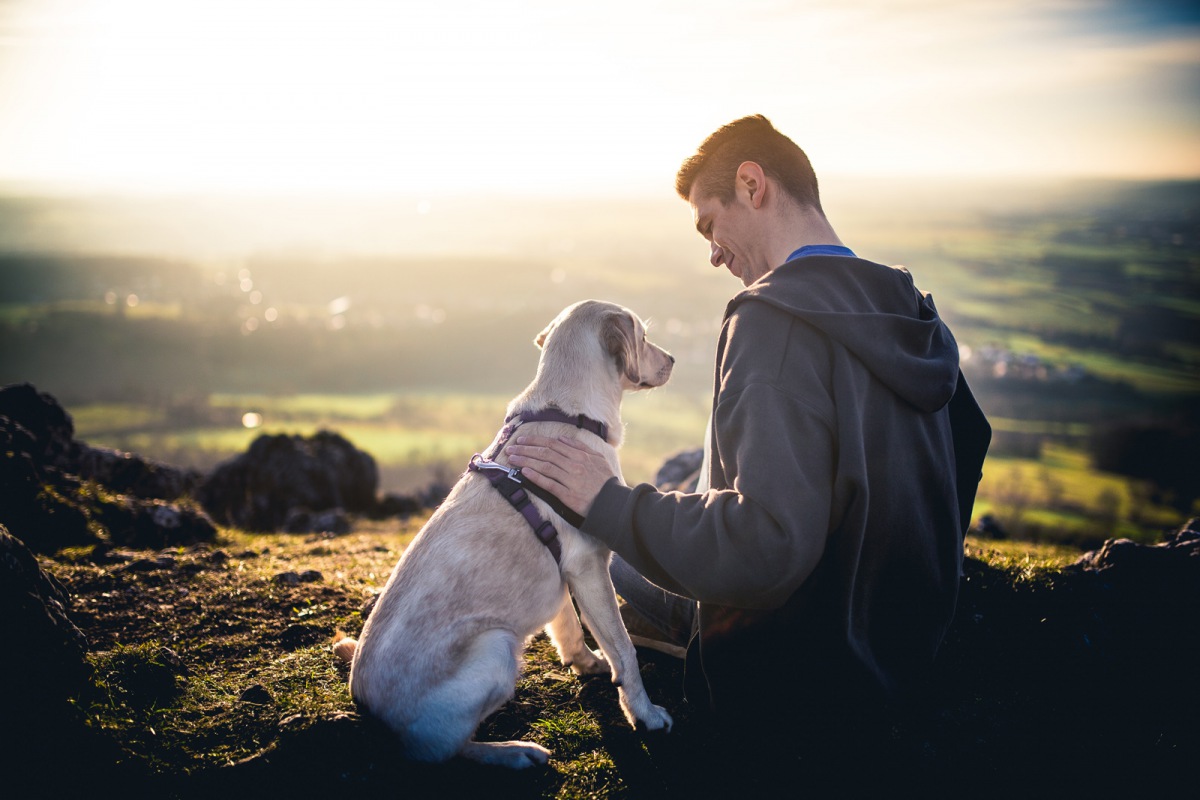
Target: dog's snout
{"points": [[671, 357]]}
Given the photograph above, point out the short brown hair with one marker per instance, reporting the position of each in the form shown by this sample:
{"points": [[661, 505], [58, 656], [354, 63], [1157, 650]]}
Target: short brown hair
{"points": [[715, 163]]}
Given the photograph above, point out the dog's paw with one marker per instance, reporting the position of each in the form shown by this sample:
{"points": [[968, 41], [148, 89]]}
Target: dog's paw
{"points": [[644, 715], [658, 719], [588, 662], [514, 755]]}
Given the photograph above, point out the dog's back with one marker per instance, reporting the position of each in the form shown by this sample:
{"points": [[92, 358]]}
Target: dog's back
{"points": [[474, 566]]}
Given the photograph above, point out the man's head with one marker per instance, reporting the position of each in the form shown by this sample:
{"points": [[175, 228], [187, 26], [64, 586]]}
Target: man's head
{"points": [[754, 196], [712, 171]]}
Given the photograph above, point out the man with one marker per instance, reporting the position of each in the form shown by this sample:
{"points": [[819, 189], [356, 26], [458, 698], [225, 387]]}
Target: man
{"points": [[843, 456]]}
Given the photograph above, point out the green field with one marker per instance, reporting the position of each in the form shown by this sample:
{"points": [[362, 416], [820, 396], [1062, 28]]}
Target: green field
{"points": [[414, 437], [417, 437], [1078, 305]]}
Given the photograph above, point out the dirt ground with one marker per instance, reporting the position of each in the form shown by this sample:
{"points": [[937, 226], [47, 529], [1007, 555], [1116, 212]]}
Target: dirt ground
{"points": [[214, 677]]}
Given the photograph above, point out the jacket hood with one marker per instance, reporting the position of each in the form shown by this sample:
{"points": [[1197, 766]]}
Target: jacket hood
{"points": [[875, 312]]}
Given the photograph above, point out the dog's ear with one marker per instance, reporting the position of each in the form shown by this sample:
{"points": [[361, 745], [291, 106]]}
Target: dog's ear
{"points": [[540, 339], [620, 341]]}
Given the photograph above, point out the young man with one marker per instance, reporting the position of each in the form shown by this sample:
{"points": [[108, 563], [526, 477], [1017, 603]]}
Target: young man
{"points": [[823, 552]]}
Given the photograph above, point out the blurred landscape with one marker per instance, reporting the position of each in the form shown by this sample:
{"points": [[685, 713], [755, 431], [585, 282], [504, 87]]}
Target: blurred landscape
{"points": [[183, 327]]}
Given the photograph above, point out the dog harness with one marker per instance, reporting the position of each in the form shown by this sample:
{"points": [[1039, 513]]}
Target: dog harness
{"points": [[509, 482]]}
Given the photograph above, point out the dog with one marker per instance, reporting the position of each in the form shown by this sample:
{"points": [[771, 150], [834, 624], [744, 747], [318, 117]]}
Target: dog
{"points": [[440, 652]]}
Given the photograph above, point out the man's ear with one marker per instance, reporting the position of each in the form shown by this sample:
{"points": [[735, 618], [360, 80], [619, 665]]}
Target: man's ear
{"points": [[752, 180], [620, 342]]}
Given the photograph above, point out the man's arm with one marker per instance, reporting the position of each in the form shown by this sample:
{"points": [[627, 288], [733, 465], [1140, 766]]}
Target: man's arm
{"points": [[749, 546]]}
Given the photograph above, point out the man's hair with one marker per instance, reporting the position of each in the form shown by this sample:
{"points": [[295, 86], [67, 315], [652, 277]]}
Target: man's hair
{"points": [[713, 168]]}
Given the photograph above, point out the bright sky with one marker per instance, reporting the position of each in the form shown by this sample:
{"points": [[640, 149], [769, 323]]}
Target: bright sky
{"points": [[554, 96]]}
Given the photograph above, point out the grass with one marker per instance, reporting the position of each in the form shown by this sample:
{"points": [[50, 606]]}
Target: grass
{"points": [[1026, 559], [209, 663], [1062, 495], [215, 678]]}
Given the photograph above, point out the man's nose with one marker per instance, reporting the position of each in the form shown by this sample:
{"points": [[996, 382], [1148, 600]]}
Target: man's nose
{"points": [[717, 255]]}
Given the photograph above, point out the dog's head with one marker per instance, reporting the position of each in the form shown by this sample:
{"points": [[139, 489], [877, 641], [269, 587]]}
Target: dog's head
{"points": [[621, 336]]}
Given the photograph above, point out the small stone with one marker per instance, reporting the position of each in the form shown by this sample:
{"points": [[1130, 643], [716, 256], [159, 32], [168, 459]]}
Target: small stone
{"points": [[256, 694], [291, 722], [287, 578]]}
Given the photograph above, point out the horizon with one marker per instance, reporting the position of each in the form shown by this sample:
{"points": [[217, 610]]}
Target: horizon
{"points": [[214, 226], [545, 100]]}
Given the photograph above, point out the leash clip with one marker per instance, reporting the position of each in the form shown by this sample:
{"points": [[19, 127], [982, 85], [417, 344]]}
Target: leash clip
{"points": [[478, 462]]}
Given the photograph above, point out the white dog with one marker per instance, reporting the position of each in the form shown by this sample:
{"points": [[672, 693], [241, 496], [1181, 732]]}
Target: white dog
{"points": [[440, 651]]}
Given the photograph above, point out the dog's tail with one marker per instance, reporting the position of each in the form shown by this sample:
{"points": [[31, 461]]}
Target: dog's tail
{"points": [[344, 647]]}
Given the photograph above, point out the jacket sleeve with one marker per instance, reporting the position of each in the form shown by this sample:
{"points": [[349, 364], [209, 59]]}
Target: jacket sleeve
{"points": [[750, 546]]}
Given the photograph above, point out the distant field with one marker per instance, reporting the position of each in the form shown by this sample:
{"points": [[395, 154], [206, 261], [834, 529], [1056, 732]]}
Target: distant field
{"points": [[418, 436], [1060, 497], [1080, 304], [412, 436]]}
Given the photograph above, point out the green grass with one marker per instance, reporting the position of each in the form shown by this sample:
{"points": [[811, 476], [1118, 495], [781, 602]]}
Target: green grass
{"points": [[319, 406], [419, 432], [99, 419], [1060, 492]]}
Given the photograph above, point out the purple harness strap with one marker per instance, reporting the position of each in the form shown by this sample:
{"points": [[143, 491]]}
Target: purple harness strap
{"points": [[508, 481], [516, 495]]}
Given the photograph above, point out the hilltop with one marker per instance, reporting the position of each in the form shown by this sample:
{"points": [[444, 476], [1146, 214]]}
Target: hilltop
{"points": [[198, 664]]}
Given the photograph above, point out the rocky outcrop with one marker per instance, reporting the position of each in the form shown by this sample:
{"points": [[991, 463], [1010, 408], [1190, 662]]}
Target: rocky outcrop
{"points": [[1170, 566], [56, 491], [45, 649], [681, 472], [283, 474]]}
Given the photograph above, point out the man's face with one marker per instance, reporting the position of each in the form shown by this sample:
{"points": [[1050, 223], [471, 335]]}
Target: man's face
{"points": [[731, 234]]}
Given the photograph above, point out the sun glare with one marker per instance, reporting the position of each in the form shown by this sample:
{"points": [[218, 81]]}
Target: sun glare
{"points": [[426, 98], [326, 94]]}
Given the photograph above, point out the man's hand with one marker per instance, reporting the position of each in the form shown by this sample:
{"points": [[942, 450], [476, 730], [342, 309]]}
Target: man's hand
{"points": [[564, 467]]}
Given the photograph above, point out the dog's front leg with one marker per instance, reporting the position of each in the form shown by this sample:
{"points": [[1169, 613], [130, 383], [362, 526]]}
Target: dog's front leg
{"points": [[567, 636], [597, 600]]}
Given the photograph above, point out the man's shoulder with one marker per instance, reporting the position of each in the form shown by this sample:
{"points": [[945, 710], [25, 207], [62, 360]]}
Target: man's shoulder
{"points": [[755, 316]]}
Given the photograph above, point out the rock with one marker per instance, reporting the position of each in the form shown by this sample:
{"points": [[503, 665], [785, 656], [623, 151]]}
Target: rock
{"points": [[155, 524], [43, 669], [49, 425], [1169, 570], [990, 527], [396, 505], [301, 520], [37, 504], [299, 635], [287, 578], [681, 472], [45, 649], [433, 494], [56, 492], [291, 723], [258, 490], [311, 576], [53, 431], [256, 694], [126, 473]]}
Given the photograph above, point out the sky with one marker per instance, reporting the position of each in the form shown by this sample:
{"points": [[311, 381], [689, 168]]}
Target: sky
{"points": [[554, 96]]}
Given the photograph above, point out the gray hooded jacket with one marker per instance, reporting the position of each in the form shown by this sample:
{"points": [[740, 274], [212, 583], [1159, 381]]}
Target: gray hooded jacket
{"points": [[842, 478]]}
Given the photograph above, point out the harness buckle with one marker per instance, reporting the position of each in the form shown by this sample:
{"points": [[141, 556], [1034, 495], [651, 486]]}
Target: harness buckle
{"points": [[478, 462]]}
